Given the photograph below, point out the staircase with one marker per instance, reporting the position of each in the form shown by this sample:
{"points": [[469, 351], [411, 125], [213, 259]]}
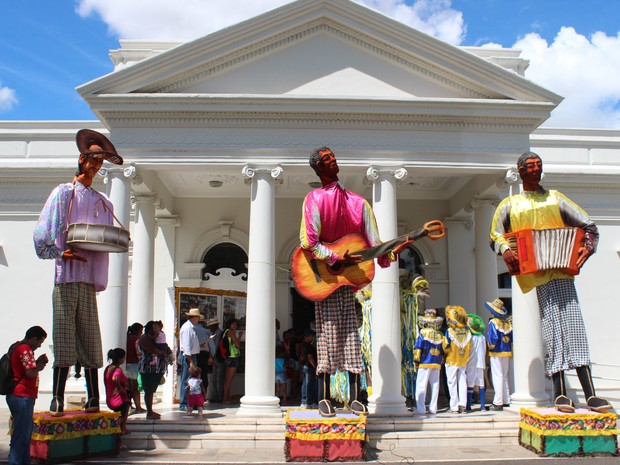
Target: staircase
{"points": [[222, 428]]}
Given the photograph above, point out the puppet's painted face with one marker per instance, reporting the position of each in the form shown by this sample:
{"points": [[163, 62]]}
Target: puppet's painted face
{"points": [[531, 173], [328, 164]]}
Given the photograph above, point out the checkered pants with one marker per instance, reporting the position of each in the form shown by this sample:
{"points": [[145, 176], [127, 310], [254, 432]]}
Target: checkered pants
{"points": [[76, 333], [562, 326], [337, 337]]}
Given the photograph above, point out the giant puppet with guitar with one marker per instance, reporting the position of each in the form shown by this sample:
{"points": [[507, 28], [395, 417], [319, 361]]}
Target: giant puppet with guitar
{"points": [[339, 240], [544, 239], [76, 230]]}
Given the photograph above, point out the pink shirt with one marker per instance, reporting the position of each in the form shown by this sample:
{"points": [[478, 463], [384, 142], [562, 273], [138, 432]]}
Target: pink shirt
{"points": [[332, 212]]}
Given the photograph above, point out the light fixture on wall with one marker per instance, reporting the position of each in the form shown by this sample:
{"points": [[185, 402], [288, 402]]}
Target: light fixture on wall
{"points": [[215, 183], [315, 184]]}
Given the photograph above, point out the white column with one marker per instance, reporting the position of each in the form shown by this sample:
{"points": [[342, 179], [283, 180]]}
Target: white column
{"points": [[528, 350], [461, 267], [486, 260], [163, 277], [259, 398], [386, 398], [143, 236], [112, 302]]}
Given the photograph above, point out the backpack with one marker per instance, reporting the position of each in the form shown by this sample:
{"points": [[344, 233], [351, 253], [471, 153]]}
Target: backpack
{"points": [[223, 347], [7, 383]]}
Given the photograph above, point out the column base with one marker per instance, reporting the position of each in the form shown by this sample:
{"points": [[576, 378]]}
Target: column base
{"points": [[529, 399], [392, 407], [260, 405]]}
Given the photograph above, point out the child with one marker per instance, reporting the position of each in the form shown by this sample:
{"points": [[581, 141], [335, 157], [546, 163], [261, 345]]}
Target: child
{"points": [[499, 340], [476, 363], [457, 346], [427, 354], [115, 383], [160, 342], [196, 392], [281, 373]]}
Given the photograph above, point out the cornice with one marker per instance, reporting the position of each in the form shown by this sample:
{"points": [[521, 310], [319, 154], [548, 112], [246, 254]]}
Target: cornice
{"points": [[341, 120]]}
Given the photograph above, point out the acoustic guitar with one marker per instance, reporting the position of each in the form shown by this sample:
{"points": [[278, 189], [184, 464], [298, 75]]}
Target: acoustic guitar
{"points": [[316, 280]]}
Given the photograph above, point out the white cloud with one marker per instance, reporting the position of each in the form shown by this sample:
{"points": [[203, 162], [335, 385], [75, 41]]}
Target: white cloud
{"points": [[583, 70], [8, 98], [166, 20]]}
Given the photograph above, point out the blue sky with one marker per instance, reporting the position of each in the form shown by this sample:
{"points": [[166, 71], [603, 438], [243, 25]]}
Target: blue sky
{"points": [[47, 48]]}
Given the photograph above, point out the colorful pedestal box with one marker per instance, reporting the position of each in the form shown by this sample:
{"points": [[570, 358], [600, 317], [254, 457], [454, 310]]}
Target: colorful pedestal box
{"points": [[547, 431], [311, 438], [74, 435]]}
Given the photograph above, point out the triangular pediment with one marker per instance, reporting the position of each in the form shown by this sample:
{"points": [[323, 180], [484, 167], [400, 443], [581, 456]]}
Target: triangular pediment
{"points": [[324, 48]]}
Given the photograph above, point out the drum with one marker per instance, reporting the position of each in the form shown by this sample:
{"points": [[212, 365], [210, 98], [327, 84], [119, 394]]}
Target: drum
{"points": [[97, 237]]}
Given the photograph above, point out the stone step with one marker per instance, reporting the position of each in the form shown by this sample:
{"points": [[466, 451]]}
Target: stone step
{"points": [[226, 430]]}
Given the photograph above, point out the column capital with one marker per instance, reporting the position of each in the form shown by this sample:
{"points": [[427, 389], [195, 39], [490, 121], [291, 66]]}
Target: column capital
{"points": [[510, 177], [466, 221], [275, 171], [373, 172], [475, 203], [173, 220], [145, 198]]}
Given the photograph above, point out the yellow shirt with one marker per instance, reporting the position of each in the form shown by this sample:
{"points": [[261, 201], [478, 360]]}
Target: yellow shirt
{"points": [[539, 210]]}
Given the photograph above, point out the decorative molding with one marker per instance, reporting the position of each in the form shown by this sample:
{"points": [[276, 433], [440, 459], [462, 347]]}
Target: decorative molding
{"points": [[153, 199], [216, 236], [193, 270], [220, 118], [466, 221]]}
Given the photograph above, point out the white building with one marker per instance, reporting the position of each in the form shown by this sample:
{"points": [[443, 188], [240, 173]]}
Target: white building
{"points": [[216, 135]]}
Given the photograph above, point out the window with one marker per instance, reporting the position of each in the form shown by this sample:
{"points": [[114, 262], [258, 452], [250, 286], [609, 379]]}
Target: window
{"points": [[226, 255]]}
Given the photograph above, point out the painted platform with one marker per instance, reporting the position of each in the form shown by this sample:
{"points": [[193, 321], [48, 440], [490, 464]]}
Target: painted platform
{"points": [[549, 432], [74, 435], [309, 437]]}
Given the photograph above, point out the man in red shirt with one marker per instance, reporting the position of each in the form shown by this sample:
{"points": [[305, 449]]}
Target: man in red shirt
{"points": [[21, 401]]}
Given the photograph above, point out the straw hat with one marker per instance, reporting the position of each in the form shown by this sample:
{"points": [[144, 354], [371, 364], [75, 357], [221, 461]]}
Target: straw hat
{"points": [[193, 312], [456, 316], [475, 324], [496, 307], [212, 321], [430, 319]]}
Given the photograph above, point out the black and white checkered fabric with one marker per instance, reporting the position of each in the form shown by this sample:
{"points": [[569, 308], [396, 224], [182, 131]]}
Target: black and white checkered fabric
{"points": [[562, 326], [337, 337]]}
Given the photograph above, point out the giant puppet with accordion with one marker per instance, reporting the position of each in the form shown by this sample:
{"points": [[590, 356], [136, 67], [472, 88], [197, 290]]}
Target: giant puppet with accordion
{"points": [[544, 239]]}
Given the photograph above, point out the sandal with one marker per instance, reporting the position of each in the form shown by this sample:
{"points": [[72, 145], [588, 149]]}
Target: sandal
{"points": [[326, 409], [598, 404], [358, 408], [564, 404], [153, 416]]}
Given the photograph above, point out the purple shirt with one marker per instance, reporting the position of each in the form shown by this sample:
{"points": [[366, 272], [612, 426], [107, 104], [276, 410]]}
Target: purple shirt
{"points": [[332, 212], [50, 233]]}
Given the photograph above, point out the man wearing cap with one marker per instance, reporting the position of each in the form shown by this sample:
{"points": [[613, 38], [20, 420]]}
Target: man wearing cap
{"points": [[190, 348], [78, 275], [562, 324]]}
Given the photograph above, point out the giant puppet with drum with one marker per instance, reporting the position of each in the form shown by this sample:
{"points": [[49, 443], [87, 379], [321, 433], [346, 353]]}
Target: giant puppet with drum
{"points": [[76, 229], [545, 238]]}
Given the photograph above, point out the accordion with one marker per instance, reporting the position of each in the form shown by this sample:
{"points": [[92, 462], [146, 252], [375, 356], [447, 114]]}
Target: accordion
{"points": [[547, 249]]}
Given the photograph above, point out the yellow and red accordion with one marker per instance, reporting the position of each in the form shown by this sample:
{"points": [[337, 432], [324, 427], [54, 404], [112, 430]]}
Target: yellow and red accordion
{"points": [[547, 249]]}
